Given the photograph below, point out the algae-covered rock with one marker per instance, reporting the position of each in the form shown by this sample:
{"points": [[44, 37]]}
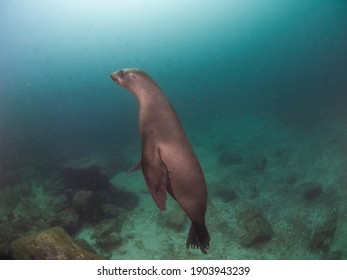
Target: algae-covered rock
{"points": [[256, 228], [22, 223], [67, 219], [323, 235], [111, 211], [11, 196], [87, 205], [107, 233], [174, 219], [28, 208], [50, 244], [7, 234], [60, 202], [82, 243], [310, 190], [110, 242], [107, 226]]}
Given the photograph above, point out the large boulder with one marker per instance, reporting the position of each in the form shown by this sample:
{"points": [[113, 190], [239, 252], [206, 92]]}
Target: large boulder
{"points": [[256, 228], [93, 186], [87, 205], [50, 244]]}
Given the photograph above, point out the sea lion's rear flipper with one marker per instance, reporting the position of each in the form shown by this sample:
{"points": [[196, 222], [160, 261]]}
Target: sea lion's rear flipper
{"points": [[198, 237], [155, 174]]}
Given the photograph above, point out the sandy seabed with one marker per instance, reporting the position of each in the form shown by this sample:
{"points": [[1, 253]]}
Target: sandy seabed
{"points": [[306, 155]]}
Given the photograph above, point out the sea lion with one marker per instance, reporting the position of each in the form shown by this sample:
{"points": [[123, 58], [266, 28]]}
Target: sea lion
{"points": [[168, 161]]}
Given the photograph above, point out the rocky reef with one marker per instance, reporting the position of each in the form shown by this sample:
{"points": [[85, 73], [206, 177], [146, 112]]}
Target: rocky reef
{"points": [[39, 217], [50, 244]]}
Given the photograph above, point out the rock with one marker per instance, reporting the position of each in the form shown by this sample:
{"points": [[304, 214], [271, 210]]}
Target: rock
{"points": [[227, 195], [323, 235], [332, 255], [120, 198], [256, 229], [50, 244], [87, 205], [107, 226], [7, 235], [111, 211], [107, 162], [110, 242], [22, 223], [256, 163], [174, 219], [310, 190], [93, 187], [60, 202], [85, 245], [107, 235], [11, 196], [83, 200], [89, 178], [67, 219], [229, 158], [28, 208], [290, 179]]}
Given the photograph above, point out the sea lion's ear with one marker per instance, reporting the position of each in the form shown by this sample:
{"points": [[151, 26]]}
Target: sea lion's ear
{"points": [[132, 75]]}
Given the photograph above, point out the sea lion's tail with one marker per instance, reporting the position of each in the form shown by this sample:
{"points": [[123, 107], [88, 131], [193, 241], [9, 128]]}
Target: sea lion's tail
{"points": [[198, 237]]}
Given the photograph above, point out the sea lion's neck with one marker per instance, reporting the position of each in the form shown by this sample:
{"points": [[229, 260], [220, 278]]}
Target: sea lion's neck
{"points": [[151, 99], [154, 106]]}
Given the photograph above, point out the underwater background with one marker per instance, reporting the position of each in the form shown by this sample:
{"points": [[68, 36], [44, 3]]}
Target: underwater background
{"points": [[260, 88]]}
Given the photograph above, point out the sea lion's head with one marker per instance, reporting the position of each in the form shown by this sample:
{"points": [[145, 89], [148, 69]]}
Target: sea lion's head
{"points": [[133, 80]]}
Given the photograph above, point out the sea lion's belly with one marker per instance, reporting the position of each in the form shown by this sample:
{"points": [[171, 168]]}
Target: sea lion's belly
{"points": [[186, 179]]}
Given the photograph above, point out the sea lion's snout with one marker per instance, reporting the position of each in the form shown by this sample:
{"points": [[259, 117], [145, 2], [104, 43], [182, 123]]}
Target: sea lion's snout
{"points": [[117, 76], [114, 77]]}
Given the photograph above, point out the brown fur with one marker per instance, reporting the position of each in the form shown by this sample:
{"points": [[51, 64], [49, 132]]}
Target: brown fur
{"points": [[168, 162]]}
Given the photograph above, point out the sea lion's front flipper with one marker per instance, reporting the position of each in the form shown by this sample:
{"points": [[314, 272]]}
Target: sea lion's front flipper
{"points": [[155, 174], [135, 168]]}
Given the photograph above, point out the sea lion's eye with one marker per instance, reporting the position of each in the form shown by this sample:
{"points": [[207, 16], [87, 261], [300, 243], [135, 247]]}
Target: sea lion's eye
{"points": [[132, 75], [120, 72]]}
